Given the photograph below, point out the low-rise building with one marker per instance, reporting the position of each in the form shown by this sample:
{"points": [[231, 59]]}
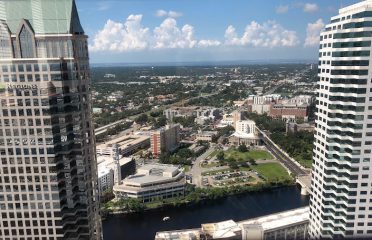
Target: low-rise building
{"points": [[287, 225], [153, 182], [206, 136], [222, 230], [292, 224], [128, 144]]}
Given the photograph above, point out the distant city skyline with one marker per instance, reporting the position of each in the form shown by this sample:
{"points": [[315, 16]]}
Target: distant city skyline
{"points": [[197, 31]]}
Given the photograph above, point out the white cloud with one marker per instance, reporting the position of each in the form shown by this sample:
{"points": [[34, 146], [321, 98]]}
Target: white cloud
{"points": [[310, 7], [269, 34], [116, 36], [169, 35], [131, 35], [282, 9], [161, 13], [171, 14], [313, 31]]}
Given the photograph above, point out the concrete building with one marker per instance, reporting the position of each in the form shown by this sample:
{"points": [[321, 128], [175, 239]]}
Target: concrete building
{"points": [[128, 144], [230, 119], [197, 111], [153, 182], [340, 204], [228, 230], [293, 127], [289, 111], [106, 168], [287, 225], [206, 136], [245, 133], [48, 169], [105, 179], [165, 139]]}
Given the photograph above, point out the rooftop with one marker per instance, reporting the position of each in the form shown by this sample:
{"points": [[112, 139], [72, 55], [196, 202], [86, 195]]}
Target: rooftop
{"points": [[124, 141], [281, 219], [153, 173], [44, 16]]}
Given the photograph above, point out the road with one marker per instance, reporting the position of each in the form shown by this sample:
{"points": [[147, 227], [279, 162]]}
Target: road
{"points": [[290, 164], [196, 170]]}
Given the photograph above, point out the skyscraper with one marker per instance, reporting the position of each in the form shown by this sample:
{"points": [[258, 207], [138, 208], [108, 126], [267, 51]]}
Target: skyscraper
{"points": [[48, 176], [341, 200]]}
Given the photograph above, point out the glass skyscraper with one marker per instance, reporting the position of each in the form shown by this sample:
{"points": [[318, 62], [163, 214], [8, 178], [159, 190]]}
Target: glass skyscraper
{"points": [[48, 176], [341, 200]]}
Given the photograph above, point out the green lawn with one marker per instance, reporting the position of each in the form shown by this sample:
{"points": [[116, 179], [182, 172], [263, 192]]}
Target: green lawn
{"points": [[271, 171], [245, 156]]}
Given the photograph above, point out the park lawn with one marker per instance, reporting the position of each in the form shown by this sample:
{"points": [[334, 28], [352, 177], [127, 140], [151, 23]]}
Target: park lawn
{"points": [[271, 171], [245, 156]]}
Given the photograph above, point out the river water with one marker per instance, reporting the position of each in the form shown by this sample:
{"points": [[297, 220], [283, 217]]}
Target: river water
{"points": [[144, 226]]}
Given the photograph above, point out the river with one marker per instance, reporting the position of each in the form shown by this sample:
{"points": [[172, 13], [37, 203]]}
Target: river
{"points": [[144, 226]]}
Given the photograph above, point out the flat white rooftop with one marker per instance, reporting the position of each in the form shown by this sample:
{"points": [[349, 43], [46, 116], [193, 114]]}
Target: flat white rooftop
{"points": [[281, 219]]}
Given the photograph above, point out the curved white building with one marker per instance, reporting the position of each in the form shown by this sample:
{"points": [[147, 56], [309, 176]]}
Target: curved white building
{"points": [[340, 205]]}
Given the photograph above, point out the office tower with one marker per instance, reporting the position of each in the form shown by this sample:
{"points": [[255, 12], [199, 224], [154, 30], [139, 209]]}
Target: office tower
{"points": [[341, 200], [165, 139], [48, 176]]}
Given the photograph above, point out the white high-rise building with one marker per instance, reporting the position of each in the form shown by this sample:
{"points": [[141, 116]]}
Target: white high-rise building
{"points": [[341, 200], [48, 170]]}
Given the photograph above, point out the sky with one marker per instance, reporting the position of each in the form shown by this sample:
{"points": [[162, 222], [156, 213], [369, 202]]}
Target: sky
{"points": [[166, 31]]}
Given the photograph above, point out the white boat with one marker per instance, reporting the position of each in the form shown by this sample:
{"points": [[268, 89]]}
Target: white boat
{"points": [[166, 219]]}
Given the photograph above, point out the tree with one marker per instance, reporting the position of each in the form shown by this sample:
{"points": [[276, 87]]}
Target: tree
{"points": [[220, 156], [242, 148], [160, 122], [142, 119], [233, 165], [185, 153], [252, 162]]}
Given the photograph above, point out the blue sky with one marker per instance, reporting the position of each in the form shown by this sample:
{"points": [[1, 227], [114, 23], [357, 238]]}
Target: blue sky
{"points": [[146, 31]]}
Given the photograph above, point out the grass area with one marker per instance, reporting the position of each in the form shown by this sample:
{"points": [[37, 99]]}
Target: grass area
{"points": [[245, 156], [271, 171], [187, 168], [210, 165]]}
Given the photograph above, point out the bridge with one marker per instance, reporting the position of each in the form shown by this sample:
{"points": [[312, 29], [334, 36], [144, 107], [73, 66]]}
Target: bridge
{"points": [[302, 175], [305, 182]]}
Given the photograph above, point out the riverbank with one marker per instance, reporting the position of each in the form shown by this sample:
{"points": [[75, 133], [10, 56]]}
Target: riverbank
{"points": [[194, 196], [144, 225]]}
